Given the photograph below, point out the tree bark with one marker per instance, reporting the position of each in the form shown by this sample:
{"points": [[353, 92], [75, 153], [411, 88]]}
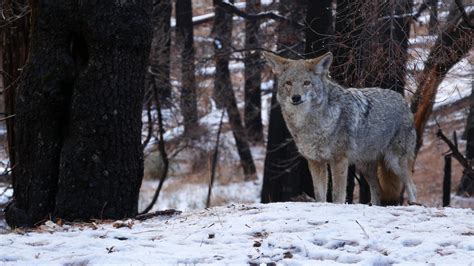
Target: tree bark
{"points": [[222, 33], [453, 43], [78, 119], [185, 38], [158, 75], [286, 174], [253, 68]]}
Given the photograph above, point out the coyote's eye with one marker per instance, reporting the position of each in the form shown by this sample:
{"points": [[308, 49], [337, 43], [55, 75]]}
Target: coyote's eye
{"points": [[288, 83], [306, 82]]}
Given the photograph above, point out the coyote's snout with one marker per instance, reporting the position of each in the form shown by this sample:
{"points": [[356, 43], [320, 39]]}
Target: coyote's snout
{"points": [[371, 128]]}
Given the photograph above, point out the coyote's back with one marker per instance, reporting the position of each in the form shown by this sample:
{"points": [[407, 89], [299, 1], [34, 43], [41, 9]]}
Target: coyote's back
{"points": [[338, 126]]}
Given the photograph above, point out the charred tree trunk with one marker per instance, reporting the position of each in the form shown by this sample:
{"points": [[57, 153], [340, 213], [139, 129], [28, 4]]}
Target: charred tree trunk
{"points": [[466, 187], [222, 32], [78, 119], [253, 68], [286, 174], [185, 38], [319, 22], [158, 75], [15, 51], [453, 43]]}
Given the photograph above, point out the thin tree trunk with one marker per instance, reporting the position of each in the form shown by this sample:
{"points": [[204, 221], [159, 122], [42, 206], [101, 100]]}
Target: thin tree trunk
{"points": [[78, 119], [15, 52], [222, 32], [466, 186], [453, 43], [158, 75], [253, 68], [185, 38], [433, 23], [286, 174]]}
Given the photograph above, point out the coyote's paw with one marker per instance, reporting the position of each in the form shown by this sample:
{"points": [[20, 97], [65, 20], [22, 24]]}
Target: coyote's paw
{"points": [[414, 203], [303, 197]]}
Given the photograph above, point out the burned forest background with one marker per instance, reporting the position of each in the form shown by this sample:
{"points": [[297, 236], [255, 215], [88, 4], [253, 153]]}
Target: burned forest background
{"points": [[213, 133]]}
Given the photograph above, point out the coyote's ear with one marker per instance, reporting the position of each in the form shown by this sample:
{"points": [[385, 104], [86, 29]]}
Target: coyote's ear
{"points": [[277, 63], [320, 65]]}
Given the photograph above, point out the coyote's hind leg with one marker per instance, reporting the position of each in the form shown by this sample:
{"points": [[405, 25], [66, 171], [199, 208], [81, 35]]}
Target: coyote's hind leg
{"points": [[370, 173], [402, 167]]}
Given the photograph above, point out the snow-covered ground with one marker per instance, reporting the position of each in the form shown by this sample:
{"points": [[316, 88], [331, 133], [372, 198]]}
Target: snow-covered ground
{"points": [[192, 196], [289, 233]]}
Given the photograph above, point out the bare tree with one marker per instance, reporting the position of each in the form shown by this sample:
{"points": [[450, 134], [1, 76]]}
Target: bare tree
{"points": [[185, 38], [15, 46], [286, 174], [222, 32], [452, 44], [253, 98], [158, 75], [78, 121], [433, 23]]}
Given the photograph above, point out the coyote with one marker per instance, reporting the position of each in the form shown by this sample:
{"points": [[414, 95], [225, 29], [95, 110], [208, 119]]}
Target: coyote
{"points": [[330, 124]]}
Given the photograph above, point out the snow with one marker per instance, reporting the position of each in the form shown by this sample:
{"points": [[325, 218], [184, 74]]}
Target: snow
{"points": [[207, 71], [5, 194], [456, 85], [286, 233], [193, 196]]}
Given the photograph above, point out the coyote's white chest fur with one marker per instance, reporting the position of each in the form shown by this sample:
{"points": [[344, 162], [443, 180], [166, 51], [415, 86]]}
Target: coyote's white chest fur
{"points": [[313, 136]]}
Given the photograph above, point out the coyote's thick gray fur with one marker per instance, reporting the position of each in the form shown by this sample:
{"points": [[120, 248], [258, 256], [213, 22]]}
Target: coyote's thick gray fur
{"points": [[330, 124]]}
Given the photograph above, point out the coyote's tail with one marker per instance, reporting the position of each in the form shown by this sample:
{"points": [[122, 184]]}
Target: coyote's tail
{"points": [[390, 184]]}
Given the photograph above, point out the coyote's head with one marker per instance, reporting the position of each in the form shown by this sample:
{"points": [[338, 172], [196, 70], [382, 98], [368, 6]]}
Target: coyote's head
{"points": [[301, 82]]}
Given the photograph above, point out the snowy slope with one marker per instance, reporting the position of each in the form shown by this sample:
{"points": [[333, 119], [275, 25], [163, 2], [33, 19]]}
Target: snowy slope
{"points": [[299, 233]]}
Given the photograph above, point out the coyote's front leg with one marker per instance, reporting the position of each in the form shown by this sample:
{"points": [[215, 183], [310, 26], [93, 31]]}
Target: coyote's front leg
{"points": [[319, 175], [339, 179]]}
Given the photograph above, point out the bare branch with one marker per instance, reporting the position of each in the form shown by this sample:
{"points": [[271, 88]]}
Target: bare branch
{"points": [[465, 17], [228, 7], [214, 161], [161, 147], [456, 153]]}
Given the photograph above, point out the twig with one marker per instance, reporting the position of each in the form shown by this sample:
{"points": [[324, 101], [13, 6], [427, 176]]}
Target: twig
{"points": [[150, 124], [456, 154], [6, 118], [363, 230], [214, 161], [422, 8], [5, 190], [164, 155], [146, 216], [464, 15]]}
